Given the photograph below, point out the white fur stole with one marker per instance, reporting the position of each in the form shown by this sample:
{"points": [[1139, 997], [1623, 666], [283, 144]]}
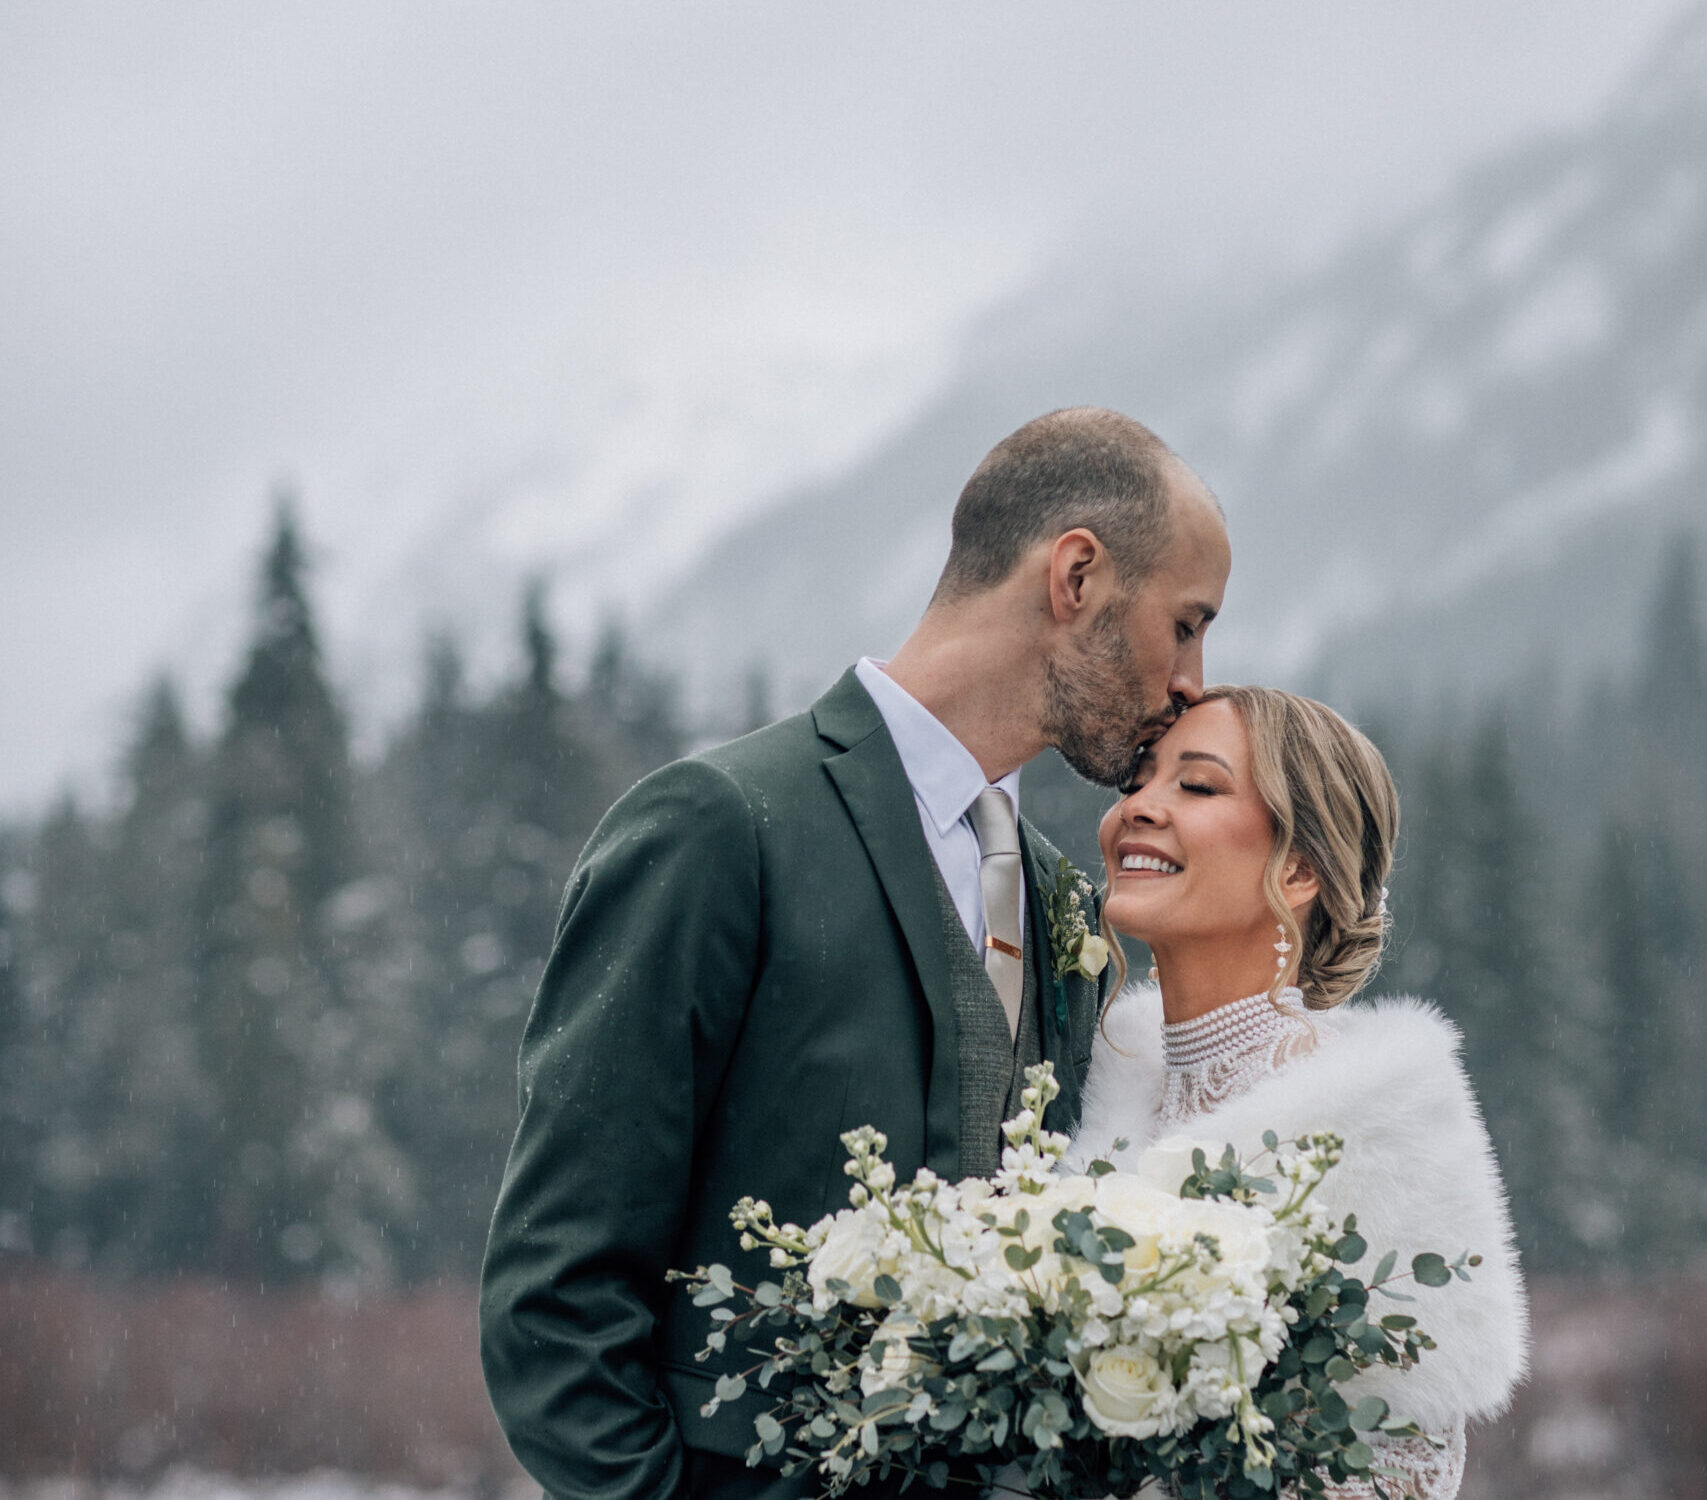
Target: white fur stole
{"points": [[1418, 1171]]}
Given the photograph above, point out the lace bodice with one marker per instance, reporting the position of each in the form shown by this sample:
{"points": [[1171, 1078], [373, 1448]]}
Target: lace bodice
{"points": [[1225, 1053]]}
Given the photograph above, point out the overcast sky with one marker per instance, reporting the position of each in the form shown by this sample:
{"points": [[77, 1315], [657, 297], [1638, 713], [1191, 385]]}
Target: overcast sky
{"points": [[502, 282]]}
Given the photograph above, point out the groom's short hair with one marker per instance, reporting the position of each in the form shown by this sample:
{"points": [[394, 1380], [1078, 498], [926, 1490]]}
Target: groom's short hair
{"points": [[1080, 466]]}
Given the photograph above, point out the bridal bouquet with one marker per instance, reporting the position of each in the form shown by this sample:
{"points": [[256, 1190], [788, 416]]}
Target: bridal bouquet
{"points": [[1192, 1322]]}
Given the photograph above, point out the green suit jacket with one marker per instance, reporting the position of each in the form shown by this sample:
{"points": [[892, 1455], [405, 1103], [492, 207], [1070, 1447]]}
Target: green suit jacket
{"points": [[749, 961]]}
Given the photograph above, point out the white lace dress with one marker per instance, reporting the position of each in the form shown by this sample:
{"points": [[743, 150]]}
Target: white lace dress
{"points": [[1217, 1058]]}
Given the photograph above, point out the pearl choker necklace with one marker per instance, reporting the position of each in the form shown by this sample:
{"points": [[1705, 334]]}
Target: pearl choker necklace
{"points": [[1231, 1029]]}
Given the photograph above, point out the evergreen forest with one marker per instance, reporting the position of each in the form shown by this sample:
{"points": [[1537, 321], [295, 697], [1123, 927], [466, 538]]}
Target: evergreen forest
{"points": [[258, 1018]]}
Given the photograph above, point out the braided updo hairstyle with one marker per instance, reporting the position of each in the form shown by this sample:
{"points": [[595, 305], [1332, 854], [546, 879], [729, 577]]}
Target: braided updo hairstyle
{"points": [[1334, 807]]}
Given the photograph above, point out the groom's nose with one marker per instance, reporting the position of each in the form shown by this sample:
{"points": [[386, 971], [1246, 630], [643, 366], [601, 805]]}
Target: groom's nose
{"points": [[1185, 685]]}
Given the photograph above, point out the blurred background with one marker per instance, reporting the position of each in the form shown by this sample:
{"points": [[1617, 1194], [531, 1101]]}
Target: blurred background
{"points": [[420, 421]]}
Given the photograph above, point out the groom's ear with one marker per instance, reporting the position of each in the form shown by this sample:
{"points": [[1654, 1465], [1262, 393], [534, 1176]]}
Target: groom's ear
{"points": [[1077, 561], [1299, 884]]}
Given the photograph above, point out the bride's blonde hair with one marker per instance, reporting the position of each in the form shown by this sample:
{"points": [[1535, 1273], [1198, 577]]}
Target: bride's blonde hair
{"points": [[1334, 806]]}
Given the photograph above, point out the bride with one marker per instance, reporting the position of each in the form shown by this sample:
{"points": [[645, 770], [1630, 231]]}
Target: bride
{"points": [[1250, 853]]}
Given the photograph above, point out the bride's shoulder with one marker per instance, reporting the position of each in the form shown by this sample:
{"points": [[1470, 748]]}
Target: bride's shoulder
{"points": [[1385, 1051], [1400, 1028]]}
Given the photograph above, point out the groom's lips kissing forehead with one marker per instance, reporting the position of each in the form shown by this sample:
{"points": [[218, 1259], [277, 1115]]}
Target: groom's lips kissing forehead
{"points": [[1153, 729], [1145, 860]]}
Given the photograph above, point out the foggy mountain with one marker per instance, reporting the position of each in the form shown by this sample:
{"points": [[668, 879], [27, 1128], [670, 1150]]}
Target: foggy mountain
{"points": [[1450, 458]]}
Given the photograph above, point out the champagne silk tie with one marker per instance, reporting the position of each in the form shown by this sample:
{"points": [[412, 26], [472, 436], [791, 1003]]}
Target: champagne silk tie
{"points": [[999, 881]]}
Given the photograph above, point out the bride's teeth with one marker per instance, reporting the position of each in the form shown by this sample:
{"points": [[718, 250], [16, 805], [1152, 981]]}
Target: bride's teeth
{"points": [[1148, 862]]}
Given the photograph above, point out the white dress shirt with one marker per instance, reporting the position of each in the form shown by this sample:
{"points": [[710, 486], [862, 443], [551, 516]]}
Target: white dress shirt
{"points": [[946, 780]]}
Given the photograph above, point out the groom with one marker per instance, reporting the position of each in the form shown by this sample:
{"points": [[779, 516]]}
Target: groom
{"points": [[833, 922]]}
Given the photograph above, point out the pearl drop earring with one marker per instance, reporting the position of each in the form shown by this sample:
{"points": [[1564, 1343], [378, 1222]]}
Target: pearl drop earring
{"points": [[1282, 947]]}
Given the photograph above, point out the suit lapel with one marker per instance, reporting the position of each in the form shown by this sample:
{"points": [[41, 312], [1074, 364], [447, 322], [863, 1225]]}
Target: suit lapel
{"points": [[867, 772], [1041, 876]]}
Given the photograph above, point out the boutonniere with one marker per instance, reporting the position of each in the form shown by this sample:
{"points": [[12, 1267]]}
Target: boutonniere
{"points": [[1073, 947]]}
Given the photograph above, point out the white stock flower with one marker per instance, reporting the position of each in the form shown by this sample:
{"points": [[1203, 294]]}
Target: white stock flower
{"points": [[929, 1289], [1025, 1168], [1213, 1386], [1127, 1392]]}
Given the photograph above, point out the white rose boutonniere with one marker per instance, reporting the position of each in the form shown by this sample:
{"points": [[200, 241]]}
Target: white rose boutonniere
{"points": [[1073, 947]]}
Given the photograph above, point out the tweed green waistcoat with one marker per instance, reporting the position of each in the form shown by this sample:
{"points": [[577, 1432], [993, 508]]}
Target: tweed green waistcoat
{"points": [[992, 1064]]}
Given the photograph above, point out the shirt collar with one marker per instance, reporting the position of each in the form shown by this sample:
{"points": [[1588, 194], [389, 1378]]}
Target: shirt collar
{"points": [[945, 775]]}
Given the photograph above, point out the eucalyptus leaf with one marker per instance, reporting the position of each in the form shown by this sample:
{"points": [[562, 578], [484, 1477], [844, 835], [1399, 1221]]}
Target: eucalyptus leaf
{"points": [[1318, 1349], [948, 1416], [1430, 1269], [1368, 1414], [1351, 1248]]}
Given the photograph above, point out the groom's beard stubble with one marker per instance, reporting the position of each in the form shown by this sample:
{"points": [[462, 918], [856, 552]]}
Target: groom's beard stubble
{"points": [[1094, 710]]}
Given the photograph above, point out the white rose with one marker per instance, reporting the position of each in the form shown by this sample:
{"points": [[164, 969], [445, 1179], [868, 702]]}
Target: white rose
{"points": [[1167, 1162], [1241, 1233], [852, 1251], [1093, 955], [1127, 1392], [899, 1360], [1142, 1210], [1071, 1193]]}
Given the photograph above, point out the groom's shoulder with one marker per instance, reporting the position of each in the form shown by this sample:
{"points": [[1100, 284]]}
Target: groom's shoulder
{"points": [[792, 751], [716, 797], [780, 765], [790, 747], [734, 781]]}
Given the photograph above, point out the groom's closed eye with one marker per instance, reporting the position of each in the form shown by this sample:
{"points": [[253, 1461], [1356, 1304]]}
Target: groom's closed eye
{"points": [[1189, 629]]}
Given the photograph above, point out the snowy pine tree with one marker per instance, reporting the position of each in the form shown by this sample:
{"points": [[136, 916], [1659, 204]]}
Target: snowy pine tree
{"points": [[297, 1175]]}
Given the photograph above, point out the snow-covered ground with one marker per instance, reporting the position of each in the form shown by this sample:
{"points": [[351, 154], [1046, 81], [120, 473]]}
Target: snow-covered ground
{"points": [[186, 1483]]}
